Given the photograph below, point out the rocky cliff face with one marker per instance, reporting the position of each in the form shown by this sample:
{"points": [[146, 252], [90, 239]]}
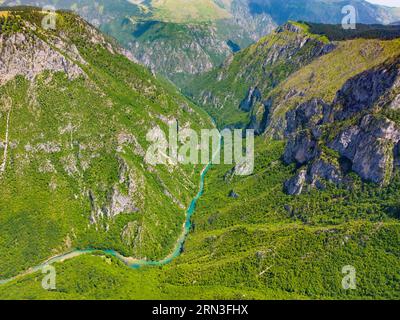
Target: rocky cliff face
{"points": [[355, 126], [176, 45], [16, 58], [334, 102], [178, 51], [251, 25], [74, 115], [237, 93], [253, 96]]}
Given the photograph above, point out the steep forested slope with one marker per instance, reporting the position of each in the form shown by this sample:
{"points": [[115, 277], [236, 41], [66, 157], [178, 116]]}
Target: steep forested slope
{"points": [[239, 93], [263, 244], [231, 93], [323, 195], [179, 38], [74, 115]]}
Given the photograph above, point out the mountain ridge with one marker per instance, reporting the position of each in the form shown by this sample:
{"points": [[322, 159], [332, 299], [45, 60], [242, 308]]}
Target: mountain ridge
{"points": [[323, 196], [75, 114], [250, 20]]}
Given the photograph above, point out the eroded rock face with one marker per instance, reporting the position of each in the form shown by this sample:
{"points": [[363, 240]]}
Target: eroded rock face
{"points": [[253, 96], [307, 115], [370, 147], [395, 105], [259, 117], [366, 139], [288, 27], [301, 149], [132, 235], [192, 54], [16, 58], [295, 185], [120, 203], [363, 91], [315, 175], [322, 170], [125, 197], [265, 66]]}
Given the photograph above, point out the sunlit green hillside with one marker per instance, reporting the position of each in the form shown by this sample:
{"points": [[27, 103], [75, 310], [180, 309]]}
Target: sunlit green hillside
{"points": [[73, 123]]}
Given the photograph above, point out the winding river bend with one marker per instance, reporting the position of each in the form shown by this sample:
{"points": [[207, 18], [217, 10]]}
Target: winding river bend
{"points": [[131, 262]]}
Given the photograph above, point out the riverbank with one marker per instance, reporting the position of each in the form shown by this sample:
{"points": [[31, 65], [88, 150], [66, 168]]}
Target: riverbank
{"points": [[129, 261]]}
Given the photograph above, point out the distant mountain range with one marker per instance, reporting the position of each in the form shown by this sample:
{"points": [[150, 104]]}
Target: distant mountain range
{"points": [[178, 38], [76, 116], [75, 107]]}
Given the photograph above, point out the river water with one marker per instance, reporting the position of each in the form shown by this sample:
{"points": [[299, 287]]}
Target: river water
{"points": [[130, 262]]}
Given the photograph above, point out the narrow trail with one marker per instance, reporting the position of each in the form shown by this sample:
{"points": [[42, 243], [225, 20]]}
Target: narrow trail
{"points": [[4, 163]]}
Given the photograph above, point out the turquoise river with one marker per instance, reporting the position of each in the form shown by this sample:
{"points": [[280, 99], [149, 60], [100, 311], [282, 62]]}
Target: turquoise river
{"points": [[131, 262]]}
